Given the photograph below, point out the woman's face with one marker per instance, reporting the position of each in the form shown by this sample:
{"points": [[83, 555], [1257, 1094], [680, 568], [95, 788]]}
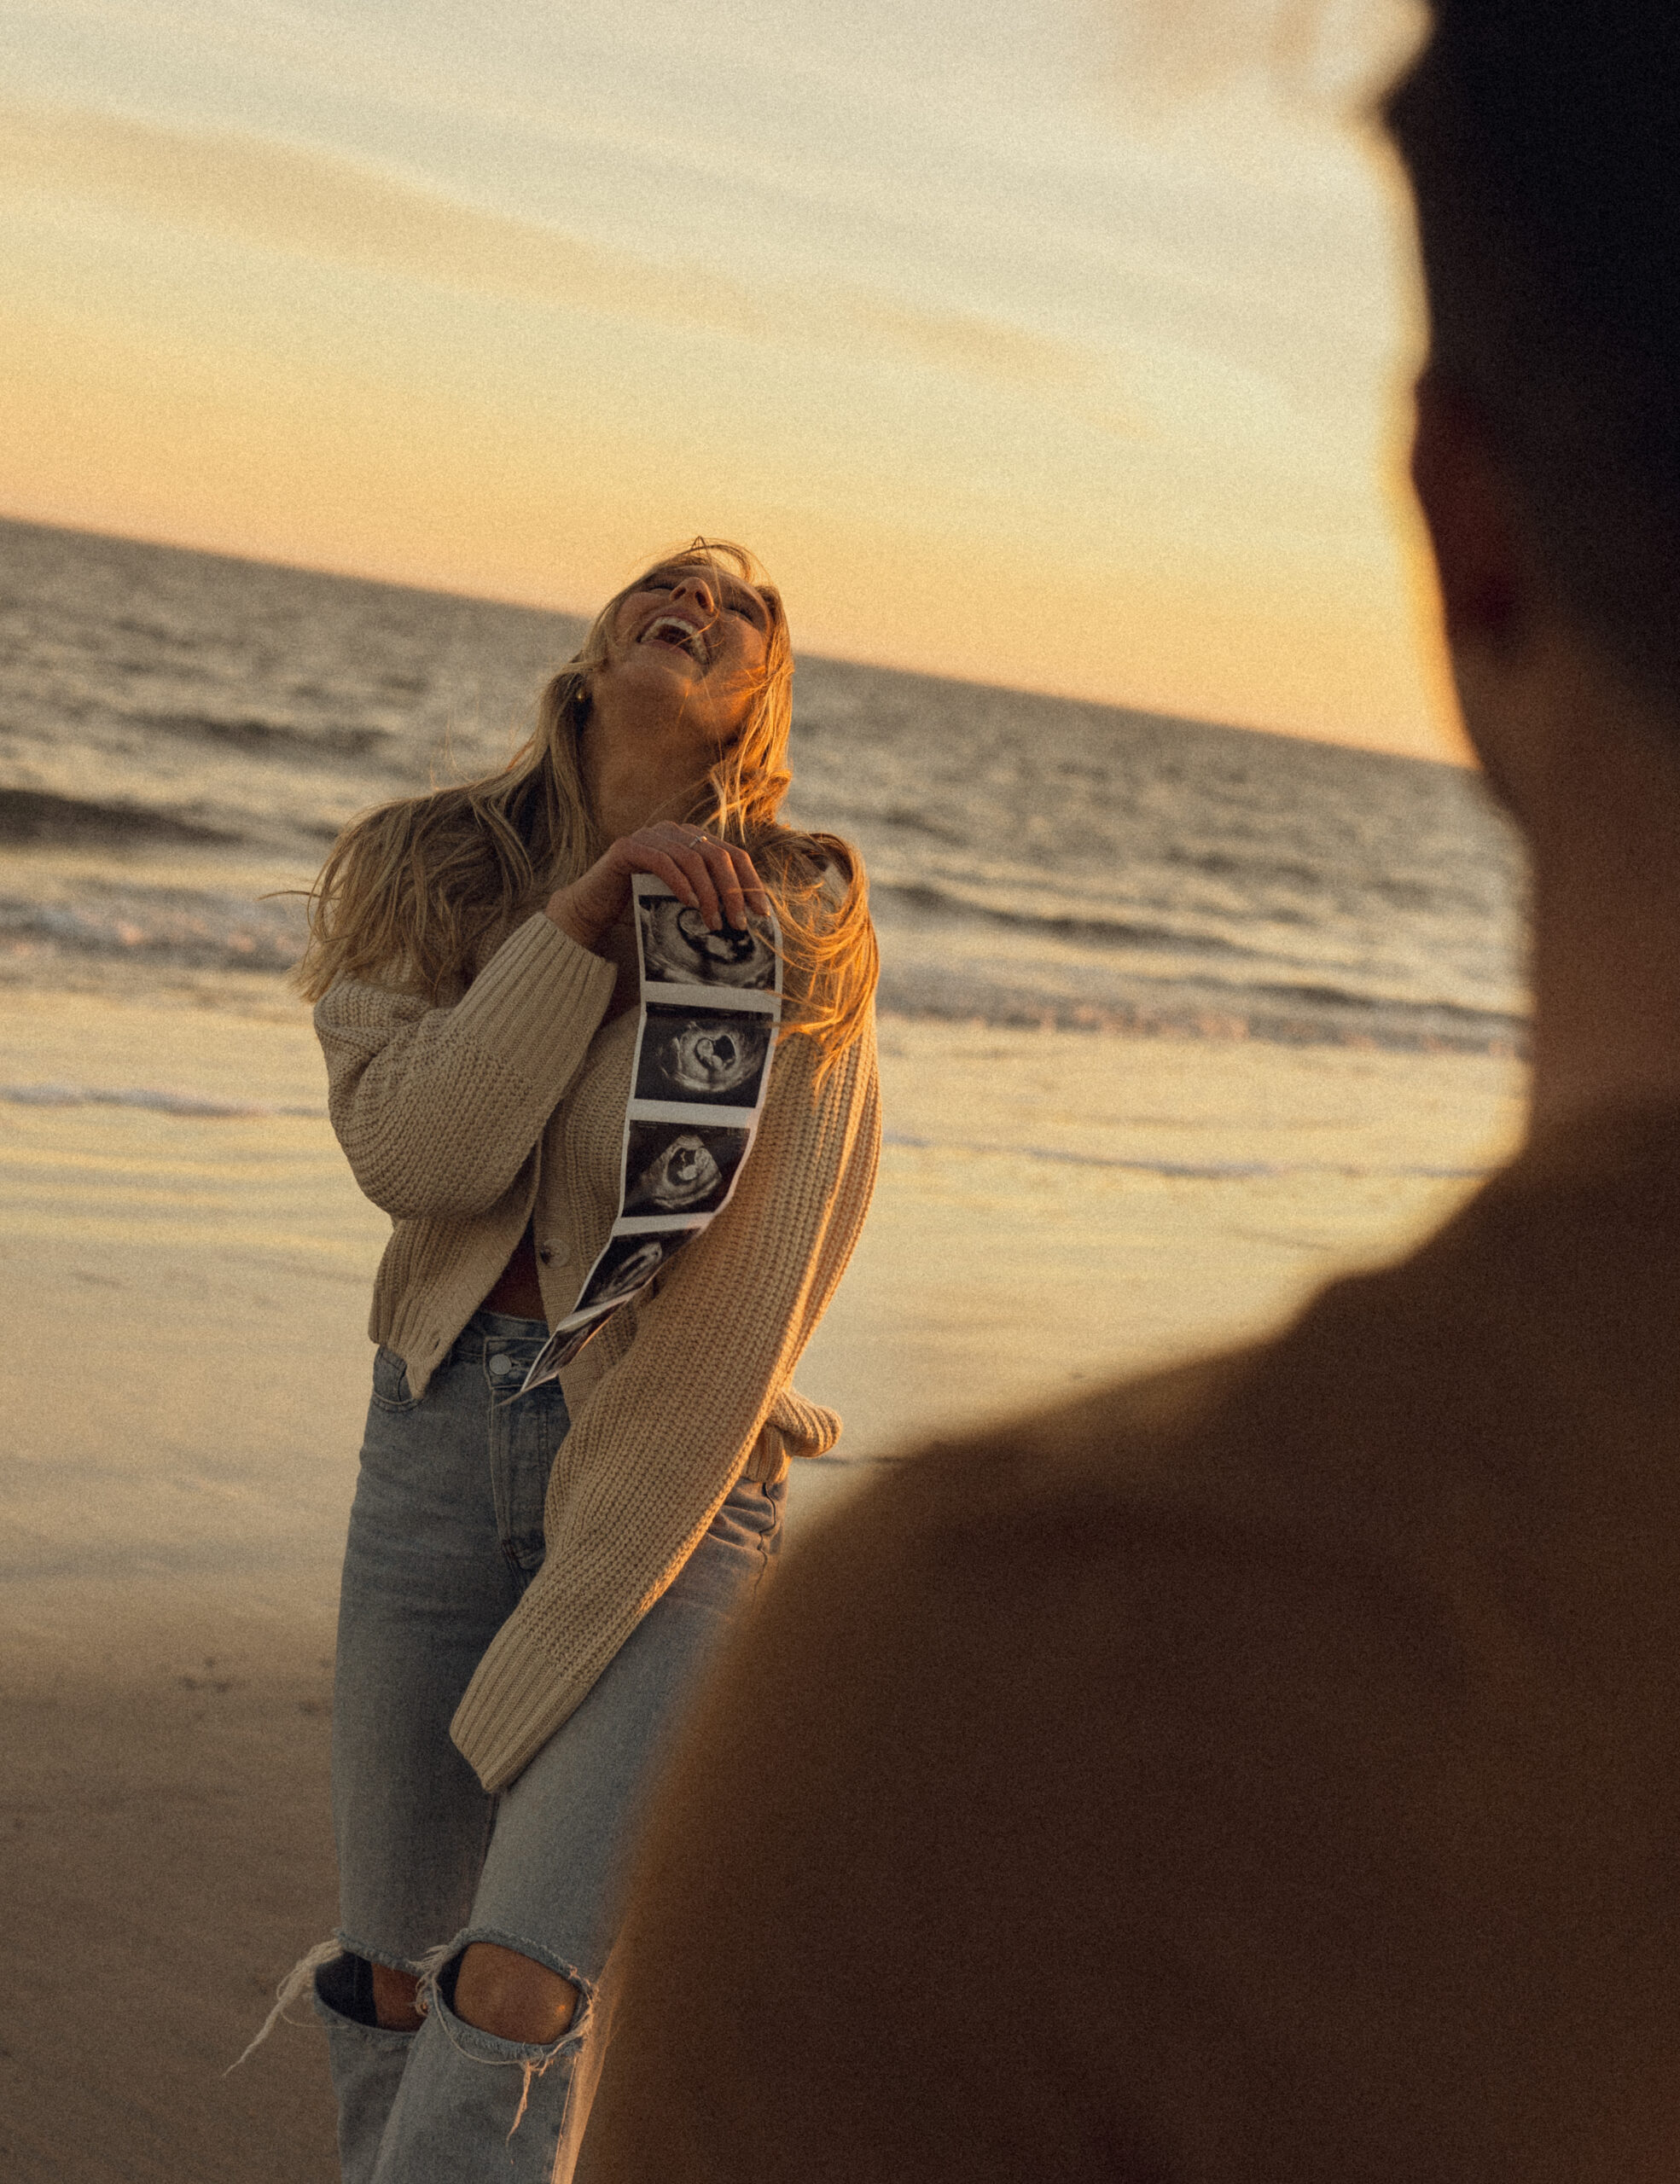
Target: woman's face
{"points": [[695, 634]]}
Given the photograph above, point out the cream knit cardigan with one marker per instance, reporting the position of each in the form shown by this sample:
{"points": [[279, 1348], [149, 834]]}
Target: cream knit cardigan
{"points": [[506, 1106]]}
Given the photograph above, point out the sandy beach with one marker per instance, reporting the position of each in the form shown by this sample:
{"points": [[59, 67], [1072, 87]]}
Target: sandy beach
{"points": [[184, 1262]]}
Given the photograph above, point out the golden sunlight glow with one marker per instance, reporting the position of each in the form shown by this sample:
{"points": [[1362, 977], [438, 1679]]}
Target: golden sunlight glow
{"points": [[288, 350]]}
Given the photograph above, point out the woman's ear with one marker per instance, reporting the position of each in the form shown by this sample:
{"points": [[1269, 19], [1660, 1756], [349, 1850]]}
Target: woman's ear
{"points": [[1467, 501]]}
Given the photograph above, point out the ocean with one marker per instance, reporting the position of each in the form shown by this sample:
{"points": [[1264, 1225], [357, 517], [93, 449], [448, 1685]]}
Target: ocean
{"points": [[183, 734], [1177, 1021], [1322, 950]]}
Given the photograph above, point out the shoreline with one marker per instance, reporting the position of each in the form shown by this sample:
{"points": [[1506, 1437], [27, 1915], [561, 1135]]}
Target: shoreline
{"points": [[185, 1286], [1208, 1012]]}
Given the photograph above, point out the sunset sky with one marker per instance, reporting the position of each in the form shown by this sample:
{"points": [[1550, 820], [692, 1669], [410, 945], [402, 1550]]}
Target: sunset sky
{"points": [[1024, 341]]}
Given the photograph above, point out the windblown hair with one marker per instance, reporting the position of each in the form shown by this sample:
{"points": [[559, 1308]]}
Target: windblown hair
{"points": [[1542, 142], [414, 890]]}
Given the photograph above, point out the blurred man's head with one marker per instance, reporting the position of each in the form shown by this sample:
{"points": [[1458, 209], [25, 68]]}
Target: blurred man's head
{"points": [[1543, 140]]}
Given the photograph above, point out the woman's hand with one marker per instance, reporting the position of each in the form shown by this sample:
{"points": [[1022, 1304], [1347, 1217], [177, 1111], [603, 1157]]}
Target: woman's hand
{"points": [[707, 875]]}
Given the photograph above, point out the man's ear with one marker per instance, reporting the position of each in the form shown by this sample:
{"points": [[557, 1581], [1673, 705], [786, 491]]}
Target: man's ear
{"points": [[1465, 498]]}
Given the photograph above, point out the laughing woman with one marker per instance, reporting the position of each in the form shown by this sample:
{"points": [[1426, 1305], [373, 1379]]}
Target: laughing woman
{"points": [[533, 1582]]}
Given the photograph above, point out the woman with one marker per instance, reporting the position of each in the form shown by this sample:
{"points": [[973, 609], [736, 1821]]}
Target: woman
{"points": [[532, 1583]]}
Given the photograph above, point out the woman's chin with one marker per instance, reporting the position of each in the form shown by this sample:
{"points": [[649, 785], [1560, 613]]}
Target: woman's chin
{"points": [[673, 688], [657, 667]]}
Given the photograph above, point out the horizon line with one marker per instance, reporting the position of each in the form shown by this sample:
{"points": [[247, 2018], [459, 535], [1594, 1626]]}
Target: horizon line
{"points": [[838, 660]]}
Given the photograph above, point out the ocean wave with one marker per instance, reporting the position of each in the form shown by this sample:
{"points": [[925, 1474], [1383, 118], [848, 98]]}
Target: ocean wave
{"points": [[1229, 864], [1204, 1009], [1118, 928], [1221, 940], [161, 1098], [1212, 1171], [196, 935], [1437, 1013], [164, 927], [35, 814], [206, 1107], [255, 734]]}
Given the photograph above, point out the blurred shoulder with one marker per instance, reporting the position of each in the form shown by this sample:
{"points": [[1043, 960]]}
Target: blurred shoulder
{"points": [[1061, 1479]]}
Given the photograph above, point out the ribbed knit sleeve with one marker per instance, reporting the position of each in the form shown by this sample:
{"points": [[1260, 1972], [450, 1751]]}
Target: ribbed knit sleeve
{"points": [[436, 1108], [662, 1436]]}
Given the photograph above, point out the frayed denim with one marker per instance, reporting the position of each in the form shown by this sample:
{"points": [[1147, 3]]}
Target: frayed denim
{"points": [[445, 1533]]}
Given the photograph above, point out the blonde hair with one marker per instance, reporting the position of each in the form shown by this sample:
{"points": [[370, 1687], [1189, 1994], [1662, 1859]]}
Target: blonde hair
{"points": [[412, 889]]}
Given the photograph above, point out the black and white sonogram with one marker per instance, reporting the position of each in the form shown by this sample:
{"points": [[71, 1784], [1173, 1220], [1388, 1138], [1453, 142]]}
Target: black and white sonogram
{"points": [[681, 1167], [699, 1058], [680, 948], [625, 1265]]}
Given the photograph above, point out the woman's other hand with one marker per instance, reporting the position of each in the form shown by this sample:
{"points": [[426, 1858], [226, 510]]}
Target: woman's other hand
{"points": [[709, 875]]}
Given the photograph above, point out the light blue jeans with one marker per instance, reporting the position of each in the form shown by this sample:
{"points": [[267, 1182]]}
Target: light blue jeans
{"points": [[445, 1534]]}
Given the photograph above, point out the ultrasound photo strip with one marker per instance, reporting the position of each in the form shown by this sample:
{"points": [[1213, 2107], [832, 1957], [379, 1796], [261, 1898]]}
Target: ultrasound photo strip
{"points": [[705, 1044], [712, 1057]]}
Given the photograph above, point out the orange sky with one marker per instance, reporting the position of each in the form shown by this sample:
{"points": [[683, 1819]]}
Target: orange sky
{"points": [[1038, 367]]}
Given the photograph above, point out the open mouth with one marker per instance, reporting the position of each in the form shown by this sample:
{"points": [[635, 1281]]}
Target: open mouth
{"points": [[682, 635]]}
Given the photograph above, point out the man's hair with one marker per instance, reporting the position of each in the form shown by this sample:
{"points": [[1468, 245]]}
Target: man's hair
{"points": [[1543, 140]]}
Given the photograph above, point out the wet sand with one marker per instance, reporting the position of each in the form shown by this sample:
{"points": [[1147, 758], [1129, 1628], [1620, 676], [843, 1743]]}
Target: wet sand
{"points": [[165, 1810], [184, 1294]]}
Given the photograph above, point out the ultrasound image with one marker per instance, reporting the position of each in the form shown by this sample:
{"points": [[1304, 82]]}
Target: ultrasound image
{"points": [[680, 1167], [626, 1264], [703, 1058], [679, 948]]}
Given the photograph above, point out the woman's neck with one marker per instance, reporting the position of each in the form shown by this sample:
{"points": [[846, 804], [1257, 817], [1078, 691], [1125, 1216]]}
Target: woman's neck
{"points": [[640, 771]]}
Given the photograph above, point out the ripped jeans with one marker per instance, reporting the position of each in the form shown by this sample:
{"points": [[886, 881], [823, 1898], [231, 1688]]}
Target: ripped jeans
{"points": [[445, 1534]]}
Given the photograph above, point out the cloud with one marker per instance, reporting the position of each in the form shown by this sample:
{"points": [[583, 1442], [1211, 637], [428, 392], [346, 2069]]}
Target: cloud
{"points": [[1330, 55], [982, 346], [314, 204]]}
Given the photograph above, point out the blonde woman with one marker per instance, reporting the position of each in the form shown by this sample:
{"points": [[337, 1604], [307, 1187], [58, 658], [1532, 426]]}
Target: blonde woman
{"points": [[532, 1583]]}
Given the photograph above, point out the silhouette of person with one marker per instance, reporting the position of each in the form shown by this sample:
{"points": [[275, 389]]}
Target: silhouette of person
{"points": [[1270, 1770]]}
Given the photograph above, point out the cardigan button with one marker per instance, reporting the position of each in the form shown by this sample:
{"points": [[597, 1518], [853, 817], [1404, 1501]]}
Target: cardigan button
{"points": [[556, 1253]]}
